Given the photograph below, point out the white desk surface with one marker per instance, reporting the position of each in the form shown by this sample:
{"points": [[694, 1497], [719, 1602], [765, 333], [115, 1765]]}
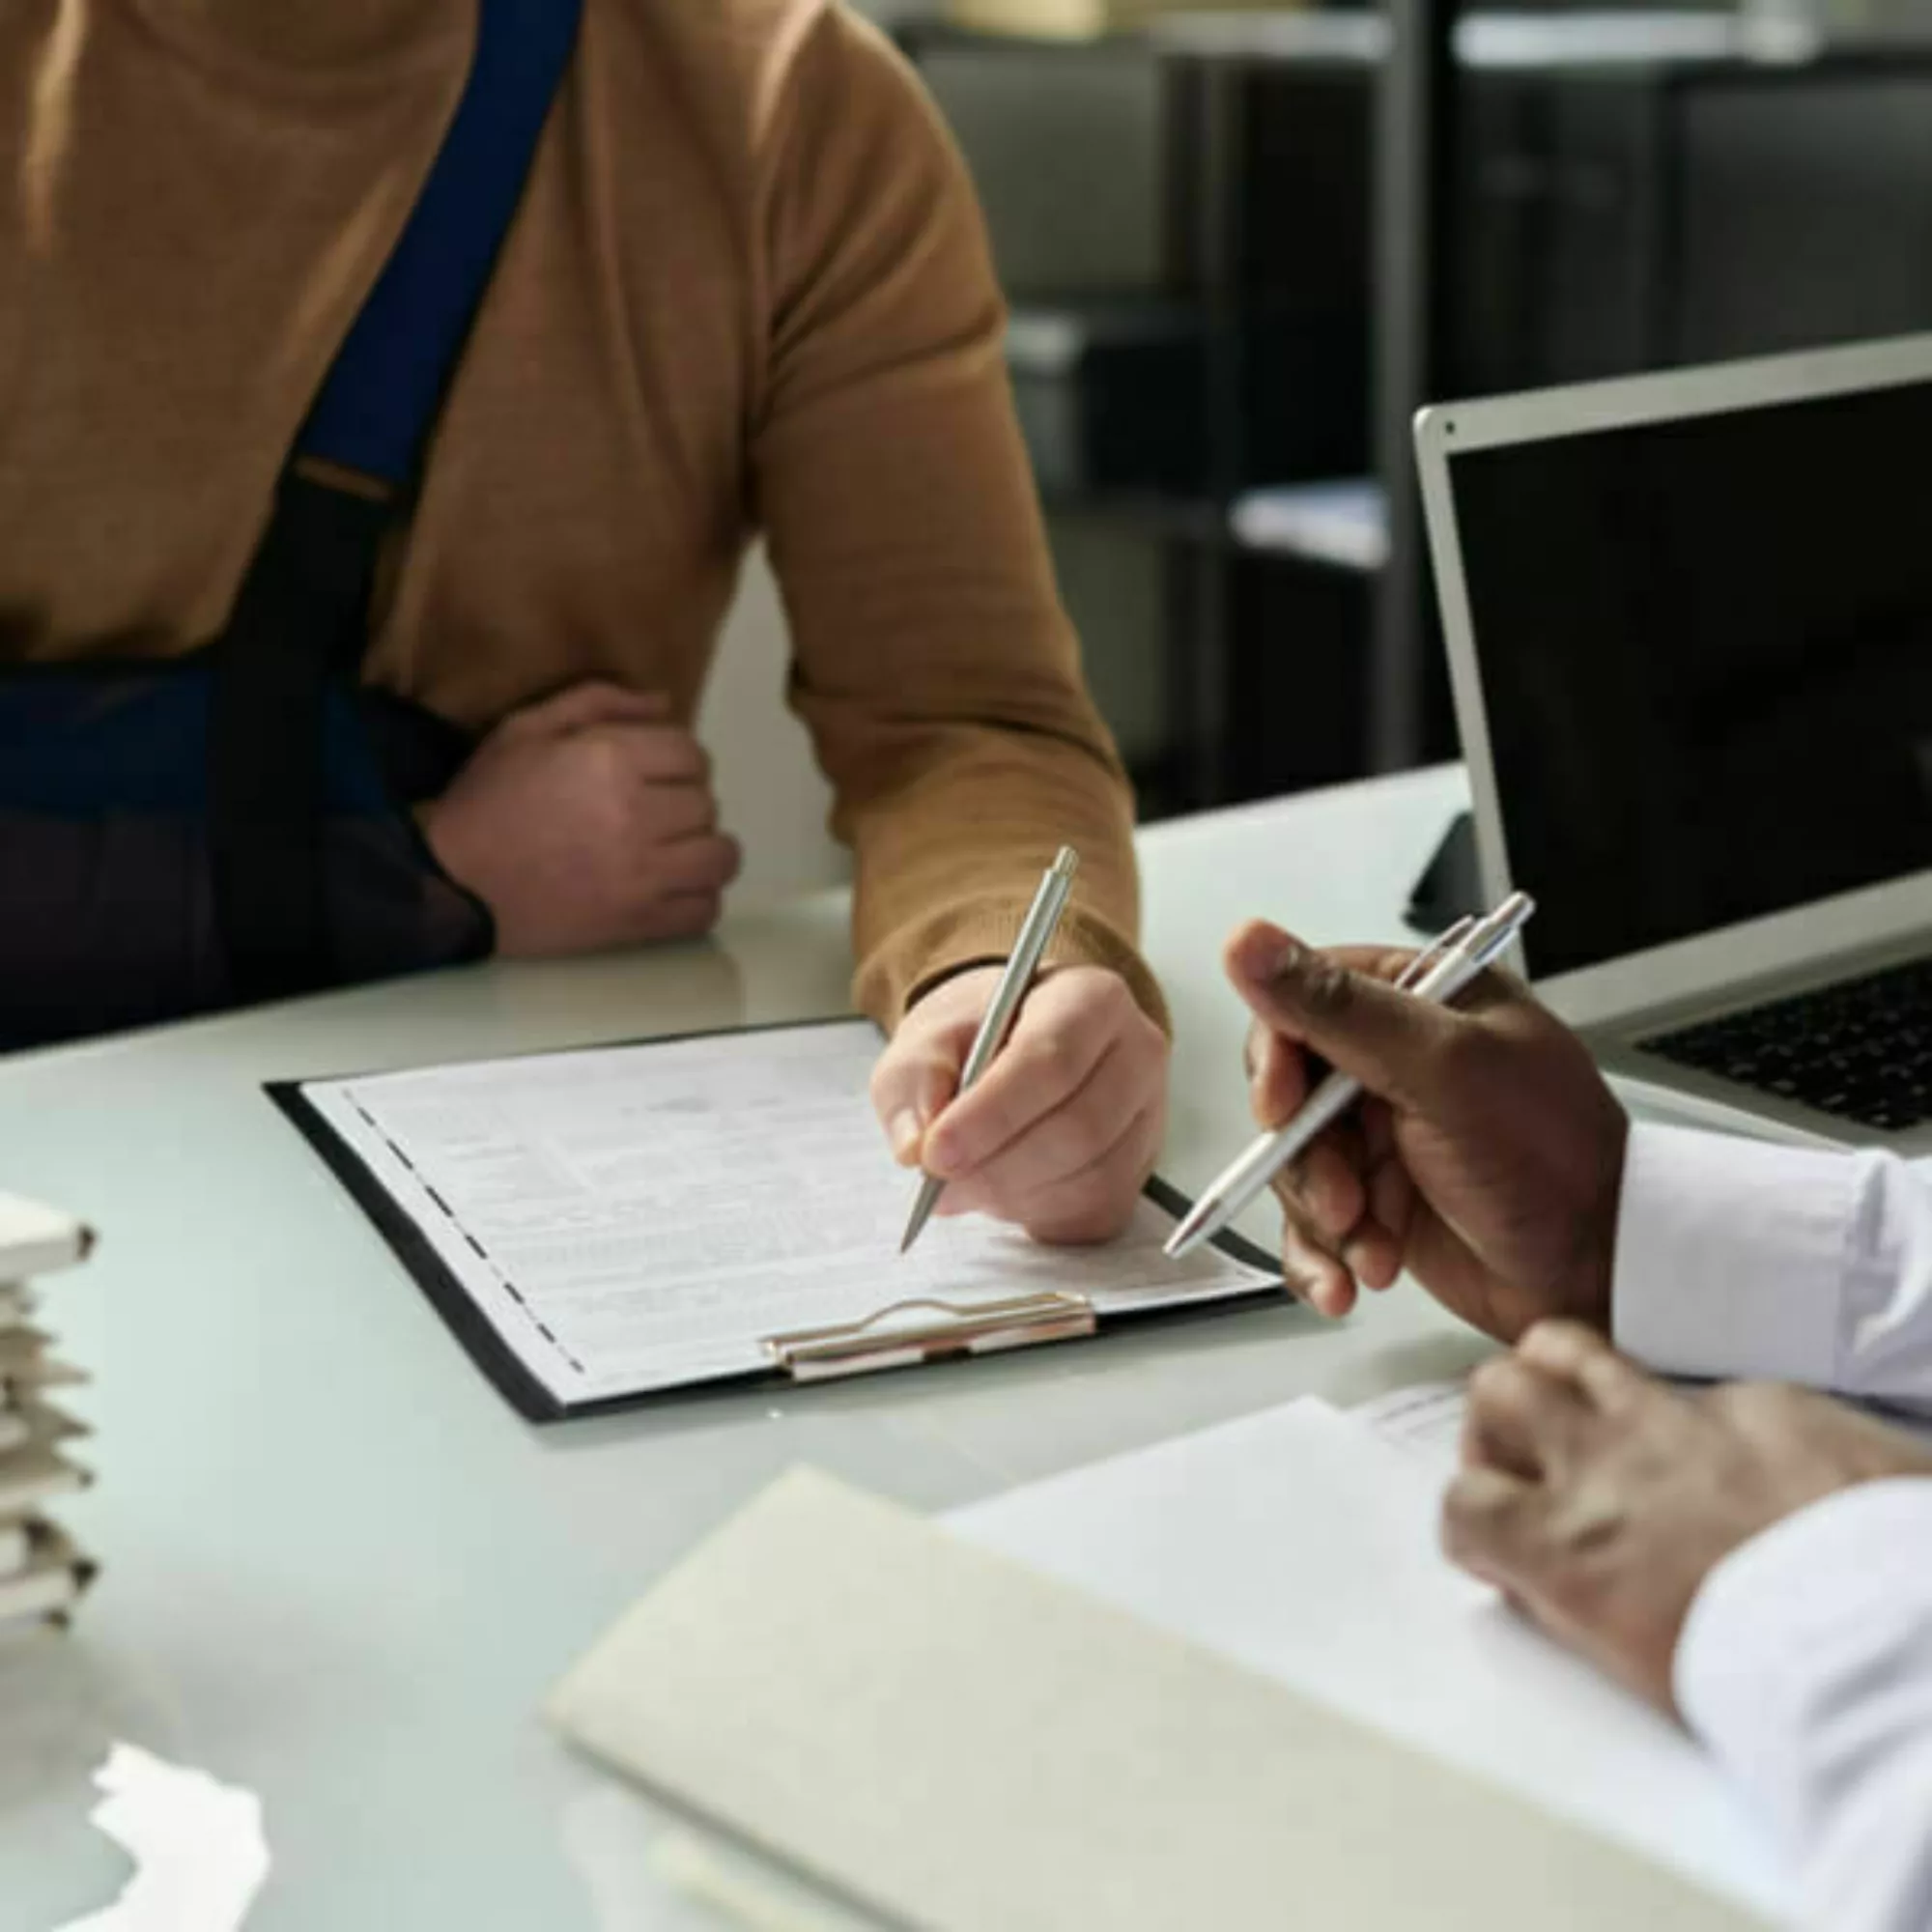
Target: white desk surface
{"points": [[341, 1573]]}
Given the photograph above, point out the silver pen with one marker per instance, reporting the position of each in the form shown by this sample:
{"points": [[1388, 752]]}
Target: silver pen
{"points": [[1441, 973], [1043, 921]]}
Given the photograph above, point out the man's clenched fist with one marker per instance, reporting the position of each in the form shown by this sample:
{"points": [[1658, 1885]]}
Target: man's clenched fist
{"points": [[585, 822]]}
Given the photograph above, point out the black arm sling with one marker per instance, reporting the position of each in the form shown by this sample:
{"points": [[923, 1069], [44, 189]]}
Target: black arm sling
{"points": [[237, 825]]}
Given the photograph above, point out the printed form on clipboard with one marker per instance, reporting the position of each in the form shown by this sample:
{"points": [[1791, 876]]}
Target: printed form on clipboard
{"points": [[601, 1226]]}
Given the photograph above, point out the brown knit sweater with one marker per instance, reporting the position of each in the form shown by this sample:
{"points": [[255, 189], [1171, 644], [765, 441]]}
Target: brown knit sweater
{"points": [[747, 289]]}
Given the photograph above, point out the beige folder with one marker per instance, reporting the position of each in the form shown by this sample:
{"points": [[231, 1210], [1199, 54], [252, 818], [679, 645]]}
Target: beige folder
{"points": [[957, 1742]]}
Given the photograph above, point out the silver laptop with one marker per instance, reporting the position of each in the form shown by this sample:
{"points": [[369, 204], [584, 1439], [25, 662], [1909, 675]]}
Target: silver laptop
{"points": [[1690, 631]]}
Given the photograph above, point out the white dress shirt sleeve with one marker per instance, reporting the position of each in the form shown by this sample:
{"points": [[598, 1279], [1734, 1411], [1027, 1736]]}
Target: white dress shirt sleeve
{"points": [[1805, 1667], [1743, 1259]]}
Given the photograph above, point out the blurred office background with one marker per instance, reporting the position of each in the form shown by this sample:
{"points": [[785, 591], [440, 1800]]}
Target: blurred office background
{"points": [[1241, 247]]}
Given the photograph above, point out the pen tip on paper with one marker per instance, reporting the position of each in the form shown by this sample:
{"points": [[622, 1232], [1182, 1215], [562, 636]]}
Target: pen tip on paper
{"points": [[921, 1212], [1189, 1236]]}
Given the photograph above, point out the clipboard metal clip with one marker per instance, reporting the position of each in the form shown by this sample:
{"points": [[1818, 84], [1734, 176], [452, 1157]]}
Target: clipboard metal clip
{"points": [[890, 1339]]}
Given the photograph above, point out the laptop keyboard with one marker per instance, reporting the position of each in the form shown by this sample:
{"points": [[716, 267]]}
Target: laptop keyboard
{"points": [[1861, 1050]]}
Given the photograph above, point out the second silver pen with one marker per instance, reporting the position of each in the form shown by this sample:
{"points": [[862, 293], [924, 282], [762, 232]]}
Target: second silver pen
{"points": [[1451, 964]]}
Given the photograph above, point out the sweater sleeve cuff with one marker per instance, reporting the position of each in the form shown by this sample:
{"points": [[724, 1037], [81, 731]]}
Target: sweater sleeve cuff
{"points": [[912, 962], [1788, 1613], [1731, 1256]]}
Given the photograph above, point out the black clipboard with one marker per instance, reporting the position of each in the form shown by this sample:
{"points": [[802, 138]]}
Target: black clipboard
{"points": [[465, 1320]]}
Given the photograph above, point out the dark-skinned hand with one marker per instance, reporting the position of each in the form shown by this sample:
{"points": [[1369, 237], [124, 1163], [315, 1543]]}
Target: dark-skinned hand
{"points": [[1486, 1159], [1597, 1499]]}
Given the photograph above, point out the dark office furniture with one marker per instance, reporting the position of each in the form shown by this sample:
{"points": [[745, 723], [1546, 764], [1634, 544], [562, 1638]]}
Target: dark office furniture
{"points": [[1610, 197]]}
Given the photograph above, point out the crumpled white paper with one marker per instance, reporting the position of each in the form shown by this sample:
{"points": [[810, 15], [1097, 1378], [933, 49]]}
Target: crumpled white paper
{"points": [[200, 1854]]}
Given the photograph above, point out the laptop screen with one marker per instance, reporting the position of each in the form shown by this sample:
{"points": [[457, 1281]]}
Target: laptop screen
{"points": [[1706, 655]]}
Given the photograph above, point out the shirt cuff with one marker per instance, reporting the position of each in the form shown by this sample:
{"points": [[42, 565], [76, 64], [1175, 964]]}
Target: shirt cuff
{"points": [[1731, 1255], [1791, 1612]]}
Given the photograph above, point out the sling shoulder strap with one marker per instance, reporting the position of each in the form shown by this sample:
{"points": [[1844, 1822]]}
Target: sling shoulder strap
{"points": [[379, 400], [302, 615]]}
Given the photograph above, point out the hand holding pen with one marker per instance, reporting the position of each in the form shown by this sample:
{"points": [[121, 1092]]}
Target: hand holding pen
{"points": [[1484, 1160], [1015, 983], [1058, 1131], [1438, 976]]}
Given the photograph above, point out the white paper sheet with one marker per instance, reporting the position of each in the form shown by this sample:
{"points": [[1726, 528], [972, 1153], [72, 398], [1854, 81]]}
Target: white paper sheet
{"points": [[642, 1217], [1299, 1544], [1424, 1421]]}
